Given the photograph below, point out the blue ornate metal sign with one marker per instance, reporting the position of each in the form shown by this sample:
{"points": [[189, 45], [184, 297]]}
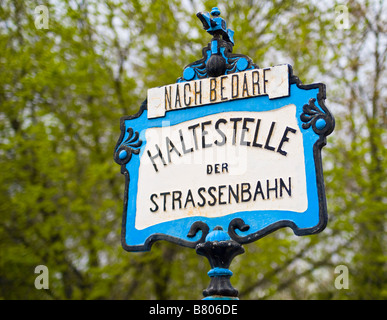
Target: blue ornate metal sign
{"points": [[229, 145]]}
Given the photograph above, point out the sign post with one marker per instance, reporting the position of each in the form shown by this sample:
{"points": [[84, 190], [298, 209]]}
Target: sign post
{"points": [[226, 155]]}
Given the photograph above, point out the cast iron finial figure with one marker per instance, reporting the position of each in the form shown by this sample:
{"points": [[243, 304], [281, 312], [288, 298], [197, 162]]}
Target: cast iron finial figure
{"points": [[216, 26], [218, 58]]}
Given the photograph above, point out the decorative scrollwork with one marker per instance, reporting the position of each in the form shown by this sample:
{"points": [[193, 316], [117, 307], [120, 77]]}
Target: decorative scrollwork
{"points": [[196, 227], [320, 121], [131, 140], [239, 224], [130, 146]]}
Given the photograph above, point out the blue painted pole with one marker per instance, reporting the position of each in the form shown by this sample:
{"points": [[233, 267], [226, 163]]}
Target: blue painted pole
{"points": [[220, 250]]}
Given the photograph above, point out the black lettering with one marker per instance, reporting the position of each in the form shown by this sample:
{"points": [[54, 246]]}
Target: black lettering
{"points": [[189, 199], [244, 130], [234, 194], [193, 127], [288, 189], [185, 151], [235, 120], [159, 154], [198, 92], [255, 82], [204, 133], [222, 87], [245, 86], [255, 144], [212, 89], [220, 194], [258, 190], [156, 205], [285, 139], [221, 133], [172, 147], [167, 97], [234, 76], [165, 194], [187, 104], [268, 189], [224, 167], [210, 190], [176, 198], [264, 79], [269, 137], [209, 169], [200, 191], [177, 99], [245, 190]]}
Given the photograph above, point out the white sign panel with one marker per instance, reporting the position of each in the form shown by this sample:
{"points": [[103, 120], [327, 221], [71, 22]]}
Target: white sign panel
{"points": [[221, 164]]}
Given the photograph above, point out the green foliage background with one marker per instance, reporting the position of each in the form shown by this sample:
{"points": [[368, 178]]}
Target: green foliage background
{"points": [[64, 89]]}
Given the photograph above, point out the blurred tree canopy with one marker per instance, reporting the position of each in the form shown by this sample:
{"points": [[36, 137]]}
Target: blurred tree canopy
{"points": [[63, 90]]}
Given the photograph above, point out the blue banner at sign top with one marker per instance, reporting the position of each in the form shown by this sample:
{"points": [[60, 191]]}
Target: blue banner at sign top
{"points": [[248, 164]]}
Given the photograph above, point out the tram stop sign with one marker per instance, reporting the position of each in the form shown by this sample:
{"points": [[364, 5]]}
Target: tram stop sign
{"points": [[228, 145]]}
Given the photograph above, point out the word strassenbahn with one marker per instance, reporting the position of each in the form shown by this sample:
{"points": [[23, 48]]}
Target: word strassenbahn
{"points": [[221, 195]]}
